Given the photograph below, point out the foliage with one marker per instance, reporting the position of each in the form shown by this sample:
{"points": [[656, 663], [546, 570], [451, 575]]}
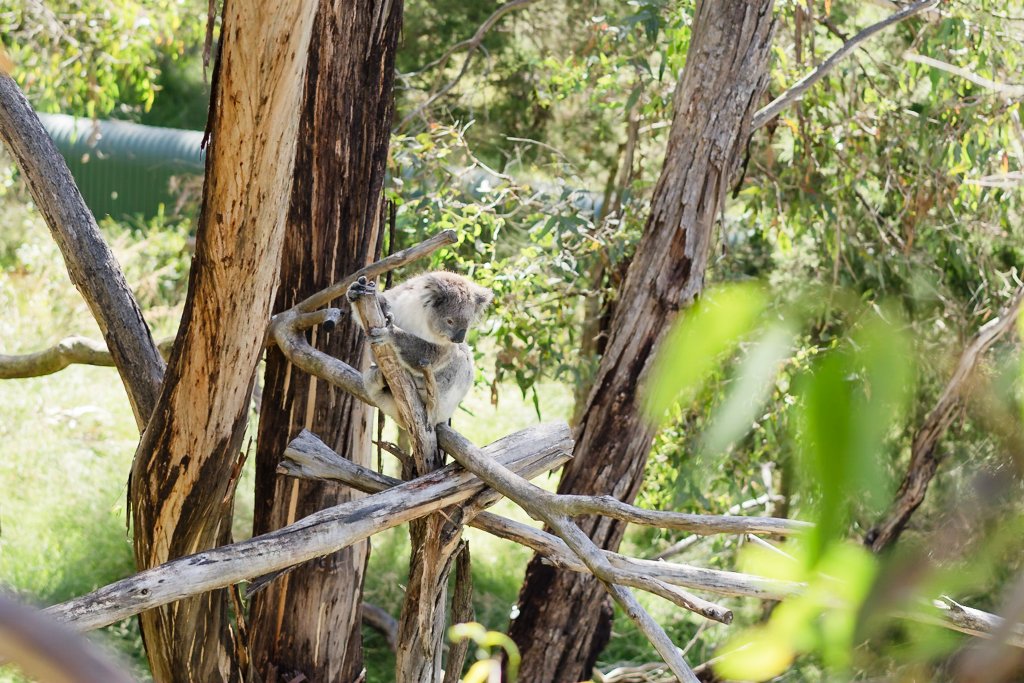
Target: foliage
{"points": [[97, 57]]}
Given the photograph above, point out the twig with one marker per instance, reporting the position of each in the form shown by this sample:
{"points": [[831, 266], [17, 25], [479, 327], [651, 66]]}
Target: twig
{"points": [[797, 91], [923, 459], [471, 45], [70, 351], [1011, 91], [372, 271]]}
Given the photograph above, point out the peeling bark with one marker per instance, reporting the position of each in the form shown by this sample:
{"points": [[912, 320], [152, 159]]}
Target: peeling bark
{"points": [[182, 482]]}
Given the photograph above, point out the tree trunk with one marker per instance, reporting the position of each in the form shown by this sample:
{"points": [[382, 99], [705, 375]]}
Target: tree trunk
{"points": [[565, 618], [308, 621], [184, 473]]}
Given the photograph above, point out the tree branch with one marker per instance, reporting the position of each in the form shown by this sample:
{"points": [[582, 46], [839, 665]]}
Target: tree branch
{"points": [[532, 452], [374, 270], [923, 458], [90, 263], [797, 90], [1010, 91], [541, 505], [70, 351]]}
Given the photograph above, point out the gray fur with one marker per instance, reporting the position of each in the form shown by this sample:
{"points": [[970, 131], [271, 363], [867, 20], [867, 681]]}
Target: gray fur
{"points": [[429, 315]]}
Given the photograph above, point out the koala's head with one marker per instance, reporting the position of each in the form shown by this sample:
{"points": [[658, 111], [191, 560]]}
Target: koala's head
{"points": [[454, 304]]}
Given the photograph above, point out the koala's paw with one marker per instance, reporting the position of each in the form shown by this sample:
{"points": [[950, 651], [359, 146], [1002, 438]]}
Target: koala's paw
{"points": [[378, 335], [374, 380], [360, 288]]}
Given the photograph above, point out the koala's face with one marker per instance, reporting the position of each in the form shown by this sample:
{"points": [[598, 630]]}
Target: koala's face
{"points": [[455, 304]]}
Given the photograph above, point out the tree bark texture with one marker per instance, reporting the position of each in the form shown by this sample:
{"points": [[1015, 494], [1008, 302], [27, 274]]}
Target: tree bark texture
{"points": [[565, 618], [308, 621], [90, 263], [184, 473]]}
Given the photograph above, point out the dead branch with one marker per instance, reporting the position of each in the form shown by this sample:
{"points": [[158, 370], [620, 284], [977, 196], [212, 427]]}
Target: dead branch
{"points": [[70, 351], [374, 270], [952, 615], [1008, 90], [797, 90], [766, 499], [924, 460], [608, 506], [532, 452], [541, 505], [90, 263], [331, 466], [977, 623]]}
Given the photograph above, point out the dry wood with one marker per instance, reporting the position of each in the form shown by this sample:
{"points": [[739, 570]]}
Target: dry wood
{"points": [[529, 452], [323, 464], [182, 480], [795, 92], [924, 459], [70, 351], [608, 506], [976, 622], [538, 503], [90, 263]]}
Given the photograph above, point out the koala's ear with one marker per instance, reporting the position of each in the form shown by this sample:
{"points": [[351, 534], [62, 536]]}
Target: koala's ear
{"points": [[483, 297], [433, 290]]}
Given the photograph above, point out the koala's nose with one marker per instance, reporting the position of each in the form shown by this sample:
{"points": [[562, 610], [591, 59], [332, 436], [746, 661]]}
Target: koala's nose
{"points": [[459, 336]]}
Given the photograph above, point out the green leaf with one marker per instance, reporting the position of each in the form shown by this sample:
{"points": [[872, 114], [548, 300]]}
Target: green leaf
{"points": [[750, 390], [698, 341], [756, 654]]}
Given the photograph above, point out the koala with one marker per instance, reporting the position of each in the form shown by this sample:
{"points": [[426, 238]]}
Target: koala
{"points": [[428, 317]]}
